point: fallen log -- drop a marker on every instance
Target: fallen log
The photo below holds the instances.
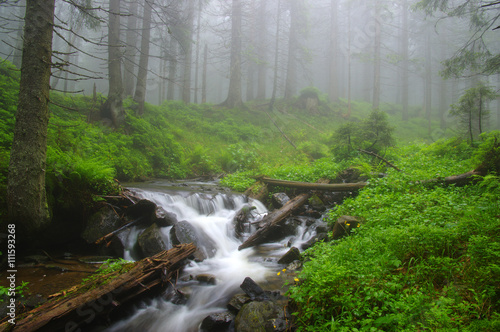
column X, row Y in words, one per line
column 314, row 186
column 272, row 220
column 88, row 301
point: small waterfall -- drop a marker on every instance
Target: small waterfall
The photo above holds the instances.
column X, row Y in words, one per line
column 213, row 215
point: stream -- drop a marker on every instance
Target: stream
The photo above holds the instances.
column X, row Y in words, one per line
column 211, row 213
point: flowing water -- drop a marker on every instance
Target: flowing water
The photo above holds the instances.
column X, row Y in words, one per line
column 211, row 214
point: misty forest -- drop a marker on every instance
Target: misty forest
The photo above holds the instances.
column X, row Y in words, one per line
column 249, row 165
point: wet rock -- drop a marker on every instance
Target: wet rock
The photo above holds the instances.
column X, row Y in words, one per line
column 292, row 255
column 343, row 226
column 100, row 224
column 282, row 230
column 206, row 278
column 323, row 228
column 316, row 203
column 318, row 237
column 152, row 241
column 279, row 199
column 143, row 208
column 217, row 322
column 176, row 296
column 237, row 302
column 256, row 316
column 184, row 232
column 241, row 220
column 164, row 218
column 294, row 266
column 254, row 291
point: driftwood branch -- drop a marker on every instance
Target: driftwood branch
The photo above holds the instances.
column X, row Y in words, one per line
column 381, row 158
column 108, row 236
column 98, row 298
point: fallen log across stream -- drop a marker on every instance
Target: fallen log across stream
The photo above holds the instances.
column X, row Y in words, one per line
column 314, row 186
column 273, row 220
column 100, row 297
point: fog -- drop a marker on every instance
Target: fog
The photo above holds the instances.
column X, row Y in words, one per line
column 204, row 51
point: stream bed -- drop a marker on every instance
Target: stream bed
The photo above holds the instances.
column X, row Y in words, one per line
column 210, row 212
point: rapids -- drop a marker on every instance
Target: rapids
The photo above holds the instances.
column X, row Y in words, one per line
column 211, row 213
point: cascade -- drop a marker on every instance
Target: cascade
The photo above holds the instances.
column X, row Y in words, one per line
column 212, row 215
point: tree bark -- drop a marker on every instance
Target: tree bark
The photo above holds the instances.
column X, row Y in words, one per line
column 73, row 310
column 142, row 74
column 113, row 108
column 262, row 54
column 131, row 49
column 276, row 58
column 27, row 202
column 377, row 56
column 188, row 53
column 204, row 75
column 405, row 65
column 291, row 69
column 234, row 98
column 273, row 219
column 333, row 50
column 314, row 186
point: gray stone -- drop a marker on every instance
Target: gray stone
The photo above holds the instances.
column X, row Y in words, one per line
column 254, row 316
column 184, row 232
column 217, row 322
column 152, row 241
column 279, row 199
column 100, row 224
column 291, row 255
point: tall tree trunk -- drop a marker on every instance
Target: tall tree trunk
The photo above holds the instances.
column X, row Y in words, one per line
column 262, row 52
column 291, row 70
column 234, row 97
column 131, row 49
column 197, row 60
column 18, row 48
column 188, row 58
column 377, row 51
column 251, row 64
column 333, row 50
column 405, row 65
column 443, row 87
column 113, row 108
column 276, row 57
column 349, row 83
column 498, row 102
column 27, row 201
column 428, row 81
column 204, row 76
column 142, row 74
column 172, row 69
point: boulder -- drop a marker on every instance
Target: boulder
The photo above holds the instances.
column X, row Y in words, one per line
column 292, row 255
column 217, row 322
column 100, row 224
column 343, row 226
column 164, row 218
column 206, row 278
column 184, row 232
column 254, row 291
column 318, row 237
column 152, row 241
column 257, row 317
column 279, row 199
column 237, row 302
column 143, row 208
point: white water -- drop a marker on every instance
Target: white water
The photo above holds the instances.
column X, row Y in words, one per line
column 213, row 214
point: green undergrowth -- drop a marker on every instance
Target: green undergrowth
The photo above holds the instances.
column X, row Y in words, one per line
column 426, row 257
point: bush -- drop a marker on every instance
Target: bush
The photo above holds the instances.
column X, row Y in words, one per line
column 424, row 258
